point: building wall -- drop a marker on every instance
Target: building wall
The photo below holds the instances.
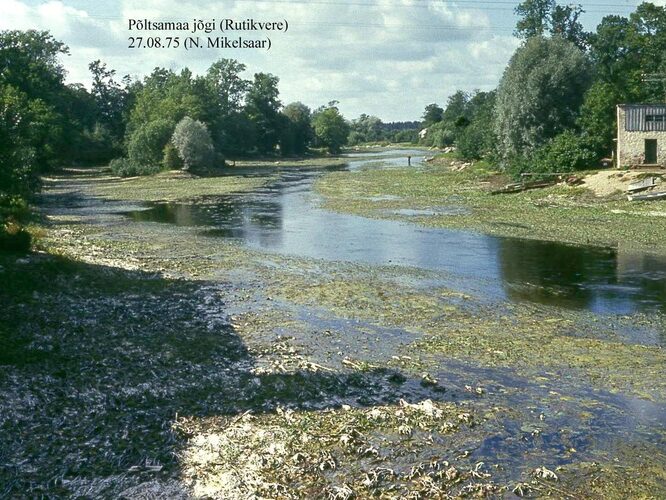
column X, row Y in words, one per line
column 631, row 145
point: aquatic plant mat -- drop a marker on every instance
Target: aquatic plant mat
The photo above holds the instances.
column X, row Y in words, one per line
column 437, row 194
column 145, row 360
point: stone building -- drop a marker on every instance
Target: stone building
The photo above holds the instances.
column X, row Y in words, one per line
column 641, row 135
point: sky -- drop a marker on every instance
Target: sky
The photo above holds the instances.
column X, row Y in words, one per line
column 388, row 58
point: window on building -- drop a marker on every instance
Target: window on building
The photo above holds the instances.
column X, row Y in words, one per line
column 655, row 118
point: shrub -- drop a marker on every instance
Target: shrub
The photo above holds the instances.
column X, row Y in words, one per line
column 124, row 167
column 170, row 159
column 439, row 135
column 567, row 152
column 193, row 143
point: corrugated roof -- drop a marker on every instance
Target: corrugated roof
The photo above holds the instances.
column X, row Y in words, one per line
column 644, row 117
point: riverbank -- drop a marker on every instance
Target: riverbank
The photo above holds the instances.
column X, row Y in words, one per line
column 154, row 359
column 436, row 195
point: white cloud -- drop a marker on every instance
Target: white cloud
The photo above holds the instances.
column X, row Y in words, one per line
column 389, row 59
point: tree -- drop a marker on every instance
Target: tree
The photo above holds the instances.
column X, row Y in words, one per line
column 366, row 128
column 18, row 176
column 539, row 95
column 263, row 108
column 110, row 98
column 534, row 18
column 564, row 20
column 146, row 145
column 224, row 79
column 477, row 139
column 597, row 120
column 330, row 127
column 297, row 131
column 193, row 143
column 29, row 62
column 165, row 95
column 432, row 114
column 541, row 17
column 456, row 107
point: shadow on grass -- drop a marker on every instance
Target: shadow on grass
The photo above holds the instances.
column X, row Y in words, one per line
column 96, row 363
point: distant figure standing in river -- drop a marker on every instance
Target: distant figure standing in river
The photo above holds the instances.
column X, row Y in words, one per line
column 409, row 161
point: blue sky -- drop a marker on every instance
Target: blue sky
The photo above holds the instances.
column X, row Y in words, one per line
column 384, row 57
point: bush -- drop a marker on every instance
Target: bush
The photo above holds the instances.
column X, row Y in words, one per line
column 124, row 167
column 567, row 152
column 439, row 135
column 13, row 238
column 170, row 159
column 193, row 143
column 406, row 136
column 146, row 145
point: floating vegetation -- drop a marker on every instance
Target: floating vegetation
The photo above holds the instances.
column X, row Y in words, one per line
column 558, row 213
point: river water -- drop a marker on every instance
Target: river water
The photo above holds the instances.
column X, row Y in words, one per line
column 284, row 216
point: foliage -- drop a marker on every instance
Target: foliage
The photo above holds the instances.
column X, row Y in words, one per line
column 29, row 63
column 297, row 131
column 539, row 95
column 567, row 152
column 432, row 114
column 477, row 139
column 193, row 143
column 440, row 135
column 111, row 99
column 598, row 115
column 366, row 128
column 406, row 136
column 167, row 96
column 13, row 238
column 170, row 158
column 331, row 129
column 263, row 108
column 123, row 167
column 146, row 145
column 541, row 17
column 19, row 122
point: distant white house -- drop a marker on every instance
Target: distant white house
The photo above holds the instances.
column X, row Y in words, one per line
column 641, row 135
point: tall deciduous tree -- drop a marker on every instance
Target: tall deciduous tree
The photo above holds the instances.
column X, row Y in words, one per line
column 29, row 62
column 330, row 127
column 432, row 114
column 542, row 17
column 110, row 97
column 540, row 94
column 297, row 131
column 263, row 106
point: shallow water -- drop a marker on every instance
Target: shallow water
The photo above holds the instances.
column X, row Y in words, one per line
column 284, row 217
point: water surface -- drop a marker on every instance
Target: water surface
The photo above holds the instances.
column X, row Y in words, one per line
column 284, row 217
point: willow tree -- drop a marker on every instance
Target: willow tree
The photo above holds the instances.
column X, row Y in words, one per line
column 540, row 95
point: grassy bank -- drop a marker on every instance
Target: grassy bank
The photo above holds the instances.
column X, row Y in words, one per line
column 462, row 200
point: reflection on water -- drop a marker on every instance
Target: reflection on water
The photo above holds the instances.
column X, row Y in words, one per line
column 282, row 217
column 581, row 277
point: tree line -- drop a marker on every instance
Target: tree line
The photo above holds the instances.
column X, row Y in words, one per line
column 554, row 108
